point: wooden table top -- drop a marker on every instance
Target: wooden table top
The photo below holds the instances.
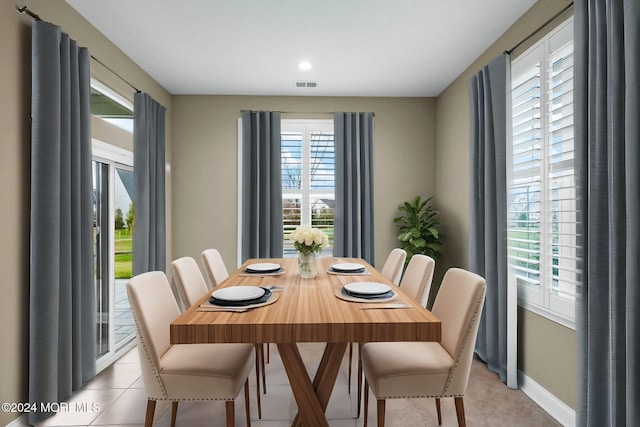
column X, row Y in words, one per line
column 307, row 310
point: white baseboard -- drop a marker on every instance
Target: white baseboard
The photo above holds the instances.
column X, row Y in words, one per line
column 547, row 401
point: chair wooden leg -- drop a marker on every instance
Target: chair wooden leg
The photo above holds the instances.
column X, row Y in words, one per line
column 264, row 374
column 268, row 359
column 359, row 398
column 174, row 413
column 349, row 373
column 460, row 412
column 366, row 401
column 247, row 409
column 438, row 411
column 381, row 412
column 229, row 407
column 151, row 409
column 257, row 348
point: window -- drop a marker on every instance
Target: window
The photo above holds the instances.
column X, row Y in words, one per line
column 111, row 107
column 308, row 177
column 541, row 183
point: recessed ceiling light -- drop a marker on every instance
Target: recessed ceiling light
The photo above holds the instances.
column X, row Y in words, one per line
column 304, row 66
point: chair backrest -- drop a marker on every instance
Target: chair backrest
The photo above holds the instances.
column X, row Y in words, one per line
column 189, row 281
column 392, row 268
column 154, row 308
column 418, row 277
column 458, row 305
column 214, row 267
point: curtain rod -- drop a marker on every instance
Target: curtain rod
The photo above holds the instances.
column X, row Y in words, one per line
column 115, row 74
column 25, row 9
column 295, row 112
column 318, row 112
column 288, row 112
column 539, row 28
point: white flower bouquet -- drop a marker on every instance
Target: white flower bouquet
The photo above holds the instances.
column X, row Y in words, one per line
column 309, row 240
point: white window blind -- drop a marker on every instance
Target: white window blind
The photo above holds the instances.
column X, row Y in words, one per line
column 541, row 187
column 308, row 177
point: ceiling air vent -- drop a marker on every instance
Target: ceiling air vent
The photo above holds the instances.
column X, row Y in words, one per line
column 306, row 84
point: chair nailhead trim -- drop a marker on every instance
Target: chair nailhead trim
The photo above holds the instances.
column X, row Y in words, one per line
column 465, row 341
column 188, row 399
column 421, row 396
column 179, row 288
column 156, row 374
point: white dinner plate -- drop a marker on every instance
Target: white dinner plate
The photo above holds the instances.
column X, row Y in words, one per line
column 347, row 267
column 238, row 293
column 367, row 288
column 263, row 267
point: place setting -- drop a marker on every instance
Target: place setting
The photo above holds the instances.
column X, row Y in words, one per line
column 348, row 269
column 382, row 295
column 239, row 298
column 263, row 269
column 368, row 292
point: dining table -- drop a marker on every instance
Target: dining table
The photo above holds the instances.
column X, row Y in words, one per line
column 303, row 310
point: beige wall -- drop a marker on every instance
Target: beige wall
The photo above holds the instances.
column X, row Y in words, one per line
column 547, row 343
column 14, row 251
column 15, row 107
column 205, row 162
column 452, row 192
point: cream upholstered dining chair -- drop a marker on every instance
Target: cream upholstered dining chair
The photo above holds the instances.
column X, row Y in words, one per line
column 191, row 287
column 188, row 280
column 416, row 282
column 392, row 268
column 214, row 267
column 216, row 273
column 418, row 277
column 430, row 369
column 182, row 372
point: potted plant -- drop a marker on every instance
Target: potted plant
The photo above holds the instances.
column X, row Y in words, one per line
column 418, row 228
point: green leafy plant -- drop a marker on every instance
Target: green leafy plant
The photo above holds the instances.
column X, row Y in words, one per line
column 418, row 228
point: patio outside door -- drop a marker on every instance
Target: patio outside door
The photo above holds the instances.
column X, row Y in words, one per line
column 113, row 231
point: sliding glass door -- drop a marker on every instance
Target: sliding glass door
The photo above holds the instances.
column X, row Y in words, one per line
column 113, row 232
column 101, row 255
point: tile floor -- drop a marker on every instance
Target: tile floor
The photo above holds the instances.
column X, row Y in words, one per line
column 119, row 392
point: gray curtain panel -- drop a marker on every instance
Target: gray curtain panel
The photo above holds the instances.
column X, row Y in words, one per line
column 607, row 143
column 62, row 297
column 353, row 221
column 149, row 231
column 488, row 92
column 262, row 229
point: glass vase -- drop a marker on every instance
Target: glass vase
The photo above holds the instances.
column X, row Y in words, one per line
column 307, row 265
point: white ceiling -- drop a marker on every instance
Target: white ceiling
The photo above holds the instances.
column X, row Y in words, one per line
column 253, row 47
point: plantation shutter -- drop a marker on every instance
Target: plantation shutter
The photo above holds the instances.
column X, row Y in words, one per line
column 541, row 182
